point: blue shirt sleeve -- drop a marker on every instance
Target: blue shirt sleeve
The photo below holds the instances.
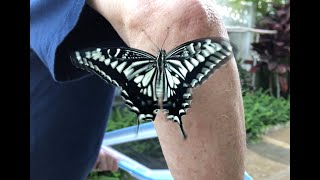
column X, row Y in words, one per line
column 58, row 27
column 50, row 22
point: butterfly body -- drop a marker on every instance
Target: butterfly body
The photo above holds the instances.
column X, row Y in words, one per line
column 160, row 66
column 165, row 80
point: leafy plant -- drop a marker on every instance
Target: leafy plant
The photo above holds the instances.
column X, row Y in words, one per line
column 274, row 51
column 118, row 175
column 262, row 110
column 104, row 176
column 121, row 117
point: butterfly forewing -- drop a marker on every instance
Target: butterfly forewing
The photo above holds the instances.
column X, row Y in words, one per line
column 199, row 59
column 131, row 69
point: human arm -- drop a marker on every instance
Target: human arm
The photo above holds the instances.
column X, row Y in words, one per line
column 215, row 122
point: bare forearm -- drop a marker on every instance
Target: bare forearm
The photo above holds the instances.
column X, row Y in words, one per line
column 214, row 123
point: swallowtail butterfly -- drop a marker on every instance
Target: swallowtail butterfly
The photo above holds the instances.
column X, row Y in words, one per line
column 149, row 81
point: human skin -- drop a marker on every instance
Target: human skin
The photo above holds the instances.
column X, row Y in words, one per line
column 105, row 162
column 214, row 124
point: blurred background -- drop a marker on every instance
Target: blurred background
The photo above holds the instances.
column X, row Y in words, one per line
column 260, row 29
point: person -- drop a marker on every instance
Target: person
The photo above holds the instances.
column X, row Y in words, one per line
column 69, row 107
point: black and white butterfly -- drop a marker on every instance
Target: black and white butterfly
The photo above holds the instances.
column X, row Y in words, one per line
column 148, row 80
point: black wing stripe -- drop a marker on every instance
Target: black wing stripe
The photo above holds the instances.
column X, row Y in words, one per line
column 176, row 70
column 188, row 65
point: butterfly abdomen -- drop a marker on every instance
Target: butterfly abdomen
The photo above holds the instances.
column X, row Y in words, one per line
column 159, row 89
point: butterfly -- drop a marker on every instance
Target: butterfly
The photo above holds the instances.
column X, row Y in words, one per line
column 152, row 83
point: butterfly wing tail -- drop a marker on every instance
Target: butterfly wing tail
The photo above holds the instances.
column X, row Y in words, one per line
column 182, row 130
column 138, row 125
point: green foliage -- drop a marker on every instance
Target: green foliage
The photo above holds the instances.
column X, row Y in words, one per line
column 274, row 51
column 121, row 117
column 118, row 175
column 263, row 110
column 104, row 176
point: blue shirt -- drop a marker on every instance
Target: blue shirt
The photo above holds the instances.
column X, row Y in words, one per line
column 68, row 107
column 50, row 23
column 57, row 27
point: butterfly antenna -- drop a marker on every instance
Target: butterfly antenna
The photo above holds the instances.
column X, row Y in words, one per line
column 151, row 39
column 165, row 38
